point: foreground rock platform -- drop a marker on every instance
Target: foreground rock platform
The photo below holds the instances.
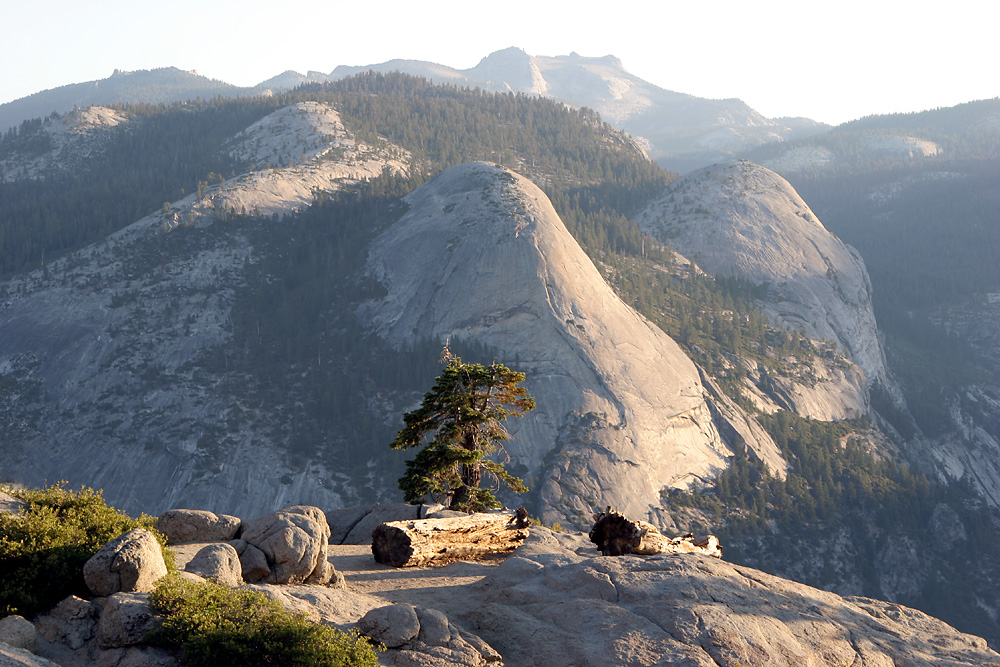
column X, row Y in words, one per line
column 558, row 602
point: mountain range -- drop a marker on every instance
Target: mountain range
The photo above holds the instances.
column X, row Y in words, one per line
column 680, row 131
column 229, row 303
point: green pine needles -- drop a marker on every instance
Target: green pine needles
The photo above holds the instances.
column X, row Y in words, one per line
column 460, row 424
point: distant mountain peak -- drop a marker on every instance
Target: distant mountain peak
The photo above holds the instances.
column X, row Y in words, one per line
column 511, row 52
column 510, row 69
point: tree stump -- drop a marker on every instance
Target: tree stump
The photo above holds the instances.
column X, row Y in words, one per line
column 616, row 535
column 424, row 541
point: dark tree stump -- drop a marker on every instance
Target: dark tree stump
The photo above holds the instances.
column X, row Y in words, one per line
column 616, row 535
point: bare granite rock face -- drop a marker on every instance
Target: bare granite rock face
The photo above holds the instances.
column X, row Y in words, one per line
column 181, row 525
column 108, row 632
column 219, row 562
column 18, row 632
column 294, row 541
column 125, row 620
column 11, row 656
column 130, row 563
column 253, row 562
column 10, row 504
column 557, row 605
column 393, row 625
column 740, row 219
column 622, row 412
column 426, row 638
column 68, row 629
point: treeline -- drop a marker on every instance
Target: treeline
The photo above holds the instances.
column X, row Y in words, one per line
column 926, row 234
column 444, row 125
column 964, row 132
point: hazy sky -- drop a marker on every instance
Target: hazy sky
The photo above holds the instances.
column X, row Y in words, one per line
column 830, row 61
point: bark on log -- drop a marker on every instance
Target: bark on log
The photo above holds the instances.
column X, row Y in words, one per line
column 421, row 542
column 616, row 535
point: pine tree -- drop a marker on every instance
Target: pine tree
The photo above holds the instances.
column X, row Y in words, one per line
column 459, row 424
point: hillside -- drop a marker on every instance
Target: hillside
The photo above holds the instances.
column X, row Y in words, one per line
column 922, row 214
column 482, row 256
column 128, row 353
column 745, row 221
column 237, row 339
column 164, row 85
column 200, row 305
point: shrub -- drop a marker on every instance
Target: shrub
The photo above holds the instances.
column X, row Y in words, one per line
column 43, row 549
column 216, row 625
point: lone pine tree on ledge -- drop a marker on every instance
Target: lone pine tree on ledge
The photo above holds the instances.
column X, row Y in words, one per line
column 460, row 423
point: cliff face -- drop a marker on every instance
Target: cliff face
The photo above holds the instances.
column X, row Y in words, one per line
column 743, row 220
column 481, row 255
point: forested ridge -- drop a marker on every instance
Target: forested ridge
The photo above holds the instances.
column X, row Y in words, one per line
column 160, row 155
column 298, row 354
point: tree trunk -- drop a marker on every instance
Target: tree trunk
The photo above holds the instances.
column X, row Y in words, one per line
column 421, row 542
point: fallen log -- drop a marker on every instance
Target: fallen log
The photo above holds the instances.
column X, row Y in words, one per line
column 616, row 535
column 424, row 541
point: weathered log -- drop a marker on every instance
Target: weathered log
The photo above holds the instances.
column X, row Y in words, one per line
column 424, row 541
column 616, row 535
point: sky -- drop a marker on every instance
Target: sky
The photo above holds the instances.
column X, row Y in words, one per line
column 829, row 61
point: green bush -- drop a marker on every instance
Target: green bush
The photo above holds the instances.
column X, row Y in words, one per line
column 43, row 549
column 216, row 625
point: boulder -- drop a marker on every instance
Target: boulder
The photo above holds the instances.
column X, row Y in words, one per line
column 134, row 656
column 218, row 562
column 18, row 632
column 294, row 541
column 132, row 563
column 392, row 625
column 343, row 520
column 71, row 623
column 125, row 620
column 253, row 562
column 17, row 657
column 181, row 525
column 421, row 637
